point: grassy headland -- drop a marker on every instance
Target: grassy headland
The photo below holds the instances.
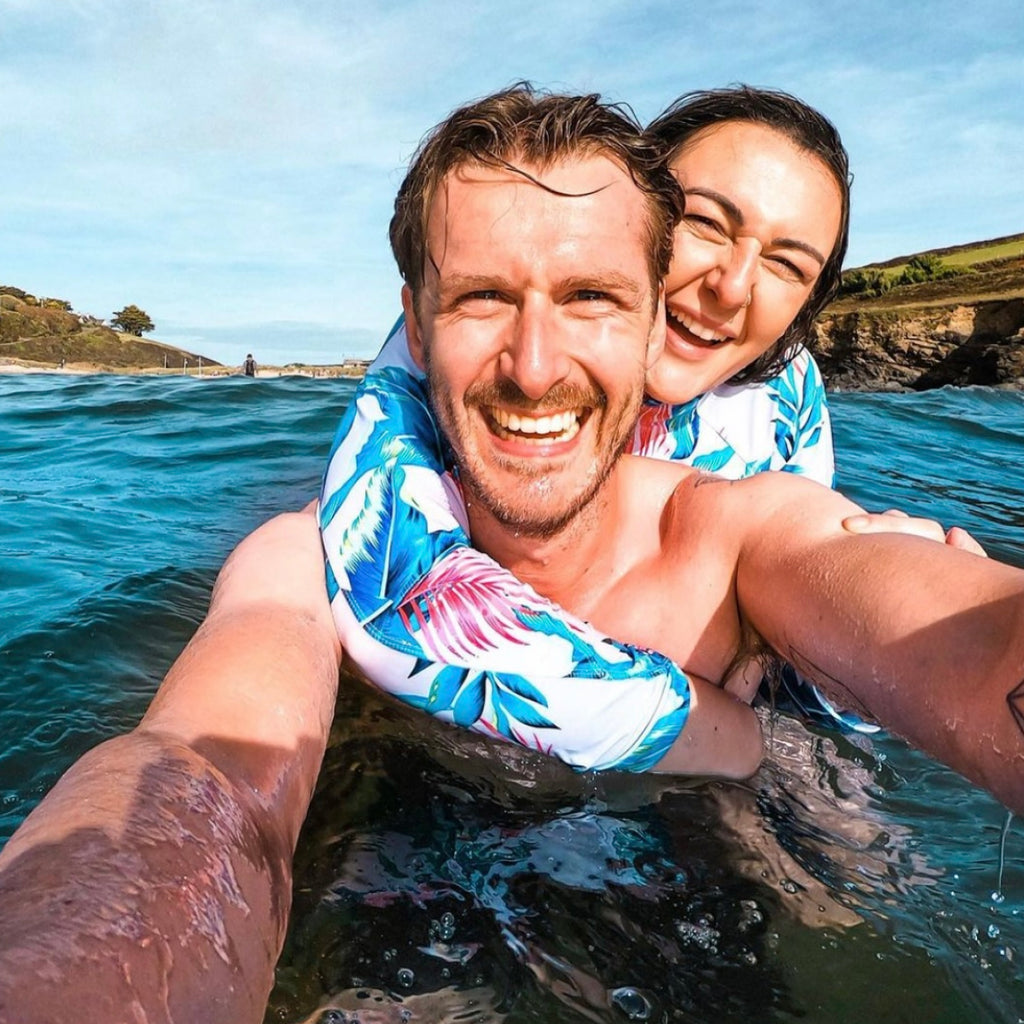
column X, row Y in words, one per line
column 957, row 275
column 952, row 316
column 47, row 334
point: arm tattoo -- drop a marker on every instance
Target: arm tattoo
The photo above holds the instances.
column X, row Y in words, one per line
column 840, row 692
column 1015, row 700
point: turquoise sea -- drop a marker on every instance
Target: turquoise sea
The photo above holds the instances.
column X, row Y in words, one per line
column 440, row 878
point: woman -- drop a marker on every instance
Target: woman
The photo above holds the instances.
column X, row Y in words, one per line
column 758, row 254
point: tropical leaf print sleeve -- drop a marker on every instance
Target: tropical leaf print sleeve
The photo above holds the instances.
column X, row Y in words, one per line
column 803, row 428
column 440, row 625
column 736, row 431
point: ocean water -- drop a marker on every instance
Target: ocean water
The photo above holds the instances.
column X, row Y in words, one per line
column 441, row 878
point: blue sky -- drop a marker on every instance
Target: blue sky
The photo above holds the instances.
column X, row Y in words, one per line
column 230, row 165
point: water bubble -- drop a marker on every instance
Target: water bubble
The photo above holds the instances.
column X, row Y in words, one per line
column 997, row 897
column 993, row 931
column 751, row 915
column 632, row 1003
column 405, row 977
column 789, row 885
column 446, row 927
column 699, row 934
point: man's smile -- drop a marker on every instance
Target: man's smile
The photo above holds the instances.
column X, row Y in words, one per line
column 552, row 427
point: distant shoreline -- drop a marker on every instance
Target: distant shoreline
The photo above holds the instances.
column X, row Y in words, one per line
column 18, row 367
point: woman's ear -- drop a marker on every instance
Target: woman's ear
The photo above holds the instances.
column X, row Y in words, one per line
column 412, row 328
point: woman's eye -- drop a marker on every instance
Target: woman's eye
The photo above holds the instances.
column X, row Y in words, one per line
column 704, row 224
column 790, row 269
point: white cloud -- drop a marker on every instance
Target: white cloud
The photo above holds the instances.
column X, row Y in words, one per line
column 229, row 162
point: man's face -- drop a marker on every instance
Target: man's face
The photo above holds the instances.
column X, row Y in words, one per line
column 536, row 324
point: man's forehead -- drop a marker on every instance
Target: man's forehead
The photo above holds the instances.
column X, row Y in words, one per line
column 578, row 177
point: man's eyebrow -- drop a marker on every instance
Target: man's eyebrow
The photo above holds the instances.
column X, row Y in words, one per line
column 735, row 214
column 604, row 280
column 451, row 285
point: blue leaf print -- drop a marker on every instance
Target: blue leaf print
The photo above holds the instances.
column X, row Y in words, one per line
column 712, row 462
column 445, row 687
column 469, row 705
column 519, row 709
column 657, row 742
column 523, row 688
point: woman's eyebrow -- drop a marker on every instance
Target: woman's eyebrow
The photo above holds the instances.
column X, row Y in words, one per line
column 731, row 210
column 795, row 243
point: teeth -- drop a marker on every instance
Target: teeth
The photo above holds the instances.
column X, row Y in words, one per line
column 559, row 426
column 704, row 333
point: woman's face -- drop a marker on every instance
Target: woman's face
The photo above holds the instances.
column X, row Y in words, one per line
column 762, row 217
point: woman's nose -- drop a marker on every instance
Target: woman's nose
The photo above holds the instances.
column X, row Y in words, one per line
column 735, row 273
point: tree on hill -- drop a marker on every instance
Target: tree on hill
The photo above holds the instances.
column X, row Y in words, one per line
column 132, row 320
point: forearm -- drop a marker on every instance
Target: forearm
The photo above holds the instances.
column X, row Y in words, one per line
column 722, row 736
column 155, row 879
column 925, row 640
column 145, row 885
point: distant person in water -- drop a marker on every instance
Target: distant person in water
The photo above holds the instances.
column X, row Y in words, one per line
column 249, row 366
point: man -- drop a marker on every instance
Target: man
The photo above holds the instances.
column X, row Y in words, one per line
column 535, row 288
column 532, row 264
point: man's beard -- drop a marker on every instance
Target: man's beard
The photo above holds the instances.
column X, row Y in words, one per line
column 530, row 510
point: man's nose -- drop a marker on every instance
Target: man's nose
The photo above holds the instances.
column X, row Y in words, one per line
column 733, row 277
column 535, row 356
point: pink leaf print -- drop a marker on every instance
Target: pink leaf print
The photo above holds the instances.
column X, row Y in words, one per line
column 466, row 606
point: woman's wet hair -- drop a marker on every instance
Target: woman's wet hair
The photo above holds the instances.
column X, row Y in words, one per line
column 806, row 128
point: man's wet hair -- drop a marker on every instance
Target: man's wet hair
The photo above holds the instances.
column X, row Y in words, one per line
column 806, row 128
column 523, row 127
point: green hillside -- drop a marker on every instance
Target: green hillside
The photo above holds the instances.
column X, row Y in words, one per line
column 48, row 332
column 959, row 274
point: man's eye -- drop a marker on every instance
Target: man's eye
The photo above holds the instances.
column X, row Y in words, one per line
column 591, row 295
column 480, row 295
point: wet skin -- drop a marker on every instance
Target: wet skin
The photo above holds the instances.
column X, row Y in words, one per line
column 536, row 324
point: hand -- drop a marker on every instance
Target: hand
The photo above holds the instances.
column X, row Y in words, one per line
column 895, row 521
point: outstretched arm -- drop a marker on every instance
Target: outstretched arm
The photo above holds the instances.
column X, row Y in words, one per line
column 926, row 639
column 154, row 881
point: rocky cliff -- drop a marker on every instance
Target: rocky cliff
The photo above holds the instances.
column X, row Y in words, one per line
column 966, row 331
